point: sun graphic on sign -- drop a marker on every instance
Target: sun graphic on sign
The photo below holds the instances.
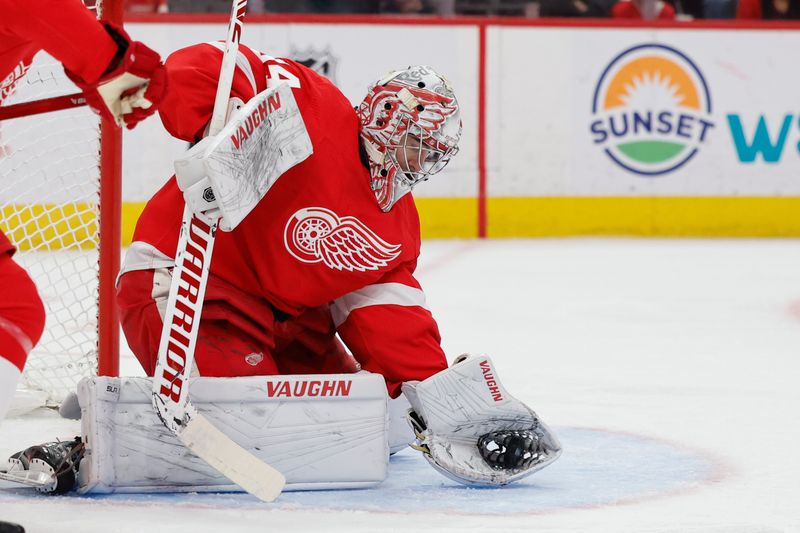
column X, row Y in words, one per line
column 650, row 81
column 652, row 90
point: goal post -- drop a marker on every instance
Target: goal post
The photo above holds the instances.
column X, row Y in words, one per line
column 110, row 232
column 110, row 227
column 60, row 204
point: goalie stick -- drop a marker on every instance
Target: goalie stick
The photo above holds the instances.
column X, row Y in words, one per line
column 182, row 321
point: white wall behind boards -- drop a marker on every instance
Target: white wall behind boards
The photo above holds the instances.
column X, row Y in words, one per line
column 359, row 54
column 572, row 112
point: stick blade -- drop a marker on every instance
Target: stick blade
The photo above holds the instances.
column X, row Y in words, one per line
column 234, row 462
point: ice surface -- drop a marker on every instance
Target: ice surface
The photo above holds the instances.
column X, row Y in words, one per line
column 667, row 367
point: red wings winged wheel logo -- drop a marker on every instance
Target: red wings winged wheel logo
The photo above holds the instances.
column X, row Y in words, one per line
column 315, row 234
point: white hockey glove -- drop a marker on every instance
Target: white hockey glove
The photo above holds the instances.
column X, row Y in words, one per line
column 225, row 175
column 471, row 430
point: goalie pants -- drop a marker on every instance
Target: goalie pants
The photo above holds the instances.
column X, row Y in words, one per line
column 21, row 311
column 240, row 334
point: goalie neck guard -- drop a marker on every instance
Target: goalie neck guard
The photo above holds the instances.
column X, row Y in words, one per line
column 410, row 126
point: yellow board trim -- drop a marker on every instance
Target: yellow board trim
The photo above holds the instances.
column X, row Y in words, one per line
column 613, row 216
column 131, row 211
column 448, row 218
column 644, row 216
column 75, row 225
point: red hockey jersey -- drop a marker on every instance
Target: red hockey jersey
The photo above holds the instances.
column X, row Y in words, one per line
column 318, row 236
column 5, row 245
column 64, row 28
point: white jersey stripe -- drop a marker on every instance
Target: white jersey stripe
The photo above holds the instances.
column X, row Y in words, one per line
column 144, row 256
column 17, row 334
column 242, row 63
column 379, row 294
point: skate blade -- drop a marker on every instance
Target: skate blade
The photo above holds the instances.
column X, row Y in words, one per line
column 27, row 478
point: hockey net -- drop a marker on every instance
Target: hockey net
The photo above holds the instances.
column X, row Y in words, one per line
column 52, row 176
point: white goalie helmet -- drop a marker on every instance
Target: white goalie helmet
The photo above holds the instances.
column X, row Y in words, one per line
column 410, row 125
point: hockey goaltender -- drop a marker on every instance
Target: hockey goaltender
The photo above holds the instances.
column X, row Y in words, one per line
column 312, row 313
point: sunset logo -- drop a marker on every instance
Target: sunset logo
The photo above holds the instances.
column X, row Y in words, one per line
column 651, row 111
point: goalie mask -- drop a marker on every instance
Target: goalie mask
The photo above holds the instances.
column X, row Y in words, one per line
column 410, row 125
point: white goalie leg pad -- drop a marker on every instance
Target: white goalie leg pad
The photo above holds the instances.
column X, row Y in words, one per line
column 400, row 433
column 9, row 377
column 465, row 402
column 320, row 431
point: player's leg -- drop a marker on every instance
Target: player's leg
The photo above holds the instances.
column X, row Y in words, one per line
column 308, row 344
column 235, row 338
column 21, row 325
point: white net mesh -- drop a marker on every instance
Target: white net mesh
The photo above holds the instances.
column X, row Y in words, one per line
column 49, row 199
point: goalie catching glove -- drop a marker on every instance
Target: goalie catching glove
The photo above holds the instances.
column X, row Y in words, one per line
column 132, row 86
column 472, row 431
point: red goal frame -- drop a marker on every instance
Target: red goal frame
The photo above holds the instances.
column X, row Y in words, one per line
column 110, row 229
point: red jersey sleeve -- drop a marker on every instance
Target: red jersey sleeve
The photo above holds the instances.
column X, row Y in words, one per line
column 64, row 28
column 5, row 245
column 390, row 331
column 193, row 76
